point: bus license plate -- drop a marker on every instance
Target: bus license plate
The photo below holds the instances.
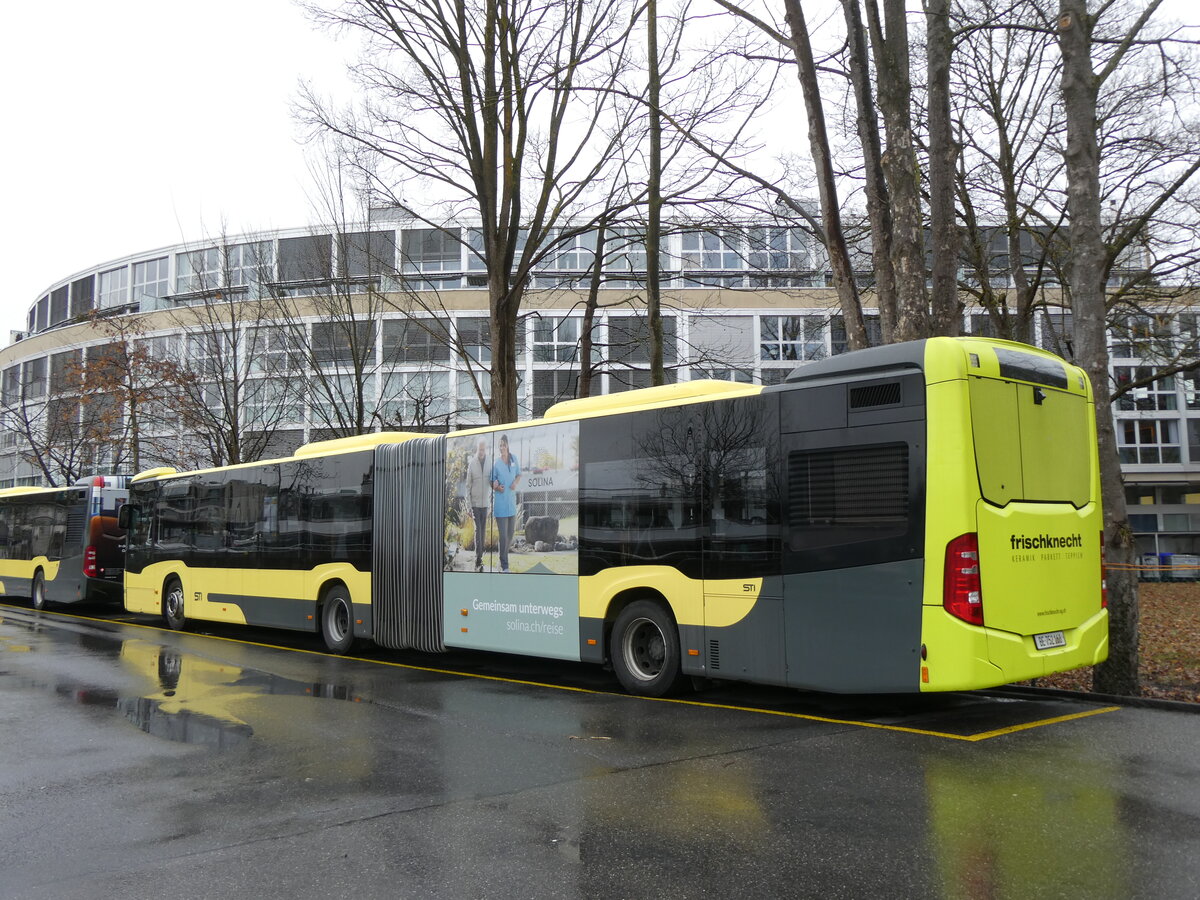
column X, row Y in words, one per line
column 1049, row 640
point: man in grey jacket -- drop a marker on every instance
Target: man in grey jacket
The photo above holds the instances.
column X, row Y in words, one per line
column 479, row 493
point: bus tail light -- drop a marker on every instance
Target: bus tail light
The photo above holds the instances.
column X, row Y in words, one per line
column 962, row 591
column 89, row 563
column 1103, row 575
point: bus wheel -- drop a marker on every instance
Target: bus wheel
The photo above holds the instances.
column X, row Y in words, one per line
column 172, row 606
column 645, row 645
column 337, row 620
column 38, row 592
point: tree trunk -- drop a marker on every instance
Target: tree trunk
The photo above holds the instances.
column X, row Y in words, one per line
column 901, row 168
column 654, row 202
column 818, row 139
column 1080, row 88
column 879, row 212
column 947, row 319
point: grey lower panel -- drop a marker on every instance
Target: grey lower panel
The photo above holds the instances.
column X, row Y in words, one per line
column 752, row 649
column 17, row 587
column 593, row 630
column 409, row 526
column 271, row 612
column 855, row 630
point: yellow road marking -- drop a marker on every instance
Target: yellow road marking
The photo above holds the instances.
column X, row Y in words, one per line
column 972, row 738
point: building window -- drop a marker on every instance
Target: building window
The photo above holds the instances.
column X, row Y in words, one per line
column 198, row 270
column 252, row 263
column 211, row 353
column 343, row 343
column 475, row 250
column 151, row 280
column 629, row 339
column 1140, row 337
column 780, row 250
column 431, row 250
column 475, row 338
column 83, row 296
column 792, row 338
column 415, row 341
column 1157, row 395
column 416, row 399
column 43, row 314
column 837, row 333
column 35, row 379
column 549, row 387
column 721, row 341
column 1148, row 441
column 555, row 339
column 65, row 371
column 363, row 254
column 12, row 386
column 59, row 305
column 275, row 349
column 708, row 251
column 574, row 252
column 114, row 287
column 306, row 258
column 272, row 401
column 624, row 257
column 469, row 404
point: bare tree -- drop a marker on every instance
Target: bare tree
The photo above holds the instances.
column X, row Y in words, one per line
column 492, row 113
column 235, row 372
column 1081, row 84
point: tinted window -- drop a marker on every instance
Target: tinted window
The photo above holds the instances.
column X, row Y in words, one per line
column 742, row 463
column 642, row 490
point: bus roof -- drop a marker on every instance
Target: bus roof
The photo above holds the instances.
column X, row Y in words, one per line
column 661, row 395
column 946, row 357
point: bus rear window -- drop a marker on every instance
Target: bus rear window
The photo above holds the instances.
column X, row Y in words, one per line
column 1031, row 442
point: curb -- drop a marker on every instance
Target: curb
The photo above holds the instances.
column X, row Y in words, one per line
column 1114, row 699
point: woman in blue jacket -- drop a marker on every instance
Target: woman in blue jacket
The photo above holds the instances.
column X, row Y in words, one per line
column 506, row 471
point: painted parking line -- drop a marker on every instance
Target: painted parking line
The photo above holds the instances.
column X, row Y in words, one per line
column 809, row 717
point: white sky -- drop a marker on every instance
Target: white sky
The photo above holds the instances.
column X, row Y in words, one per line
column 136, row 124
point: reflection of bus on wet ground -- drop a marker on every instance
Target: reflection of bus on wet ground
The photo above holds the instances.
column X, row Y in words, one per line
column 63, row 545
column 914, row 517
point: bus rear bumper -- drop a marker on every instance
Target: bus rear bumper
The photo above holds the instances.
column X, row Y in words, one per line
column 968, row 657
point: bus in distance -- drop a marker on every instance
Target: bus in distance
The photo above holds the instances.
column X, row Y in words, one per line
column 913, row 517
column 63, row 545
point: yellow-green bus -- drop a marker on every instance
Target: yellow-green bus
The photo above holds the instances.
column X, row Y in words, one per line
column 914, row 517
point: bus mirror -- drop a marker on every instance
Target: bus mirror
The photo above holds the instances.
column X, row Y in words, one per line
column 125, row 517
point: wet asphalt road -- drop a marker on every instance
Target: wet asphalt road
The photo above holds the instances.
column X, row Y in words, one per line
column 141, row 763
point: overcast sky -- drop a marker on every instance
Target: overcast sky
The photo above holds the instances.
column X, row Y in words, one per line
column 135, row 124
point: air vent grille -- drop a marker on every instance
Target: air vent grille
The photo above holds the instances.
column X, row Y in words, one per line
column 868, row 395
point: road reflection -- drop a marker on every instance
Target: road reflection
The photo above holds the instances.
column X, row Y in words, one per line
column 172, row 694
column 1032, row 823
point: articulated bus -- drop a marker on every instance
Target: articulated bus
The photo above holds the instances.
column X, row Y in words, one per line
column 914, row 517
column 63, row 545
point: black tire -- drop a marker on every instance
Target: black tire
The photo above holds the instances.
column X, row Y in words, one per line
column 645, row 650
column 337, row 620
column 172, row 605
column 37, row 594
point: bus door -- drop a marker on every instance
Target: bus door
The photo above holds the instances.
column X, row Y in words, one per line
column 743, row 593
